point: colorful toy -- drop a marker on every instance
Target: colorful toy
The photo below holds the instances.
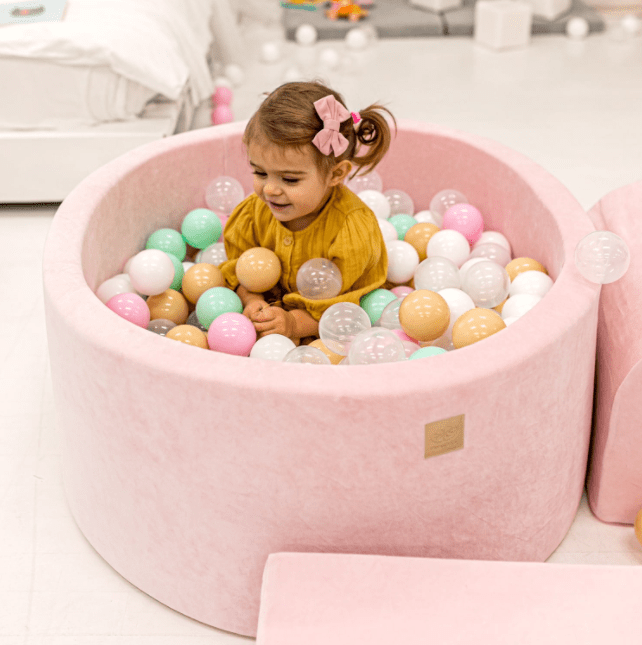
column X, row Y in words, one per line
column 419, row 235
column 272, row 347
column 487, row 283
column 376, row 201
column 374, row 346
column 466, row 219
column 217, row 301
column 495, row 252
column 160, row 326
column 425, row 352
column 201, row 227
column 345, row 9
column 188, row 335
column 402, row 223
column 335, row 359
column 638, row 526
column 371, row 181
column 258, row 269
column 475, row 325
column 169, row 241
column 318, row 279
column 231, row 333
column 388, row 230
column 113, row 286
column 151, row 272
column 534, row 283
column 199, row 278
column 493, row 237
column 401, row 290
column 214, row 254
column 306, row 354
column 516, row 306
column 424, row 315
column 449, row 244
column 437, row 273
column 444, row 199
column 221, row 105
column 401, row 203
column 403, row 261
column 224, row 194
column 169, row 305
column 375, row 302
column 389, row 318
column 340, row 323
column 519, row 265
column 130, row 306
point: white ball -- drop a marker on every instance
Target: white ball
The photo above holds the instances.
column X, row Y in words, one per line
column 376, row 201
column 151, row 272
column 356, row 39
column 577, row 28
column 115, row 286
column 494, row 237
column 632, row 25
column 388, row 231
column 272, row 347
column 306, row 35
column 429, row 217
column 465, row 267
column 187, row 266
column 459, row 302
column 509, row 321
column 235, row 73
column 517, row 306
column 403, row 261
column 487, row 284
column 270, row 52
column 449, row 244
column 535, row 283
column 222, row 81
column 494, row 252
column 330, row 58
column 306, row 355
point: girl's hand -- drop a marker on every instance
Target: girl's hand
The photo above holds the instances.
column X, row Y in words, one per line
column 274, row 320
column 253, row 308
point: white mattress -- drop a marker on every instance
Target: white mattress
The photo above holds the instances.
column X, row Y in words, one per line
column 45, row 95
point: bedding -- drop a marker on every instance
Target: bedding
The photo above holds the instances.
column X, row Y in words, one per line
column 162, row 45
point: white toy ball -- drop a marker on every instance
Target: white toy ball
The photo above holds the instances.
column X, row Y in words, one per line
column 151, row 272
column 510, row 320
column 272, row 347
column 487, row 284
column 213, row 254
column 446, row 198
column 120, row 283
column 388, row 230
column 494, row 237
column 403, row 261
column 329, row 58
column 463, row 269
column 340, row 323
column 270, row 52
column 356, row 39
column 535, row 283
column 306, row 35
column 494, row 252
column 371, row 181
column 632, row 25
column 577, row 28
column 376, row 201
column 400, row 201
column 376, row 345
column 429, row 217
column 517, row 306
column 306, row 355
column 459, row 302
column 449, row 244
column 235, row 73
column 602, row 257
column 436, row 273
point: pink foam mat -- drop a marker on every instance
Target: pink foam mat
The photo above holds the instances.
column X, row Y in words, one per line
column 318, row 599
column 186, row 468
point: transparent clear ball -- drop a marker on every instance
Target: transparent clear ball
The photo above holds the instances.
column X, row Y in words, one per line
column 390, row 315
column 446, row 198
column 376, row 345
column 487, row 284
column 213, row 254
column 437, row 273
column 376, row 201
column 308, row 355
column 319, row 279
column 494, row 252
column 340, row 323
column 602, row 257
column 400, row 202
column 449, row 244
column 371, row 181
column 224, row 194
column 429, row 217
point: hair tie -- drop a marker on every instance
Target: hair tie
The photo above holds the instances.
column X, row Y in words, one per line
column 356, row 117
column 332, row 113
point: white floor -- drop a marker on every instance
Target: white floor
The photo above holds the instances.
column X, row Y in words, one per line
column 573, row 107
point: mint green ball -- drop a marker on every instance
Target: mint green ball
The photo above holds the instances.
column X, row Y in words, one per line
column 402, row 224
column 168, row 240
column 375, row 302
column 217, row 301
column 201, row 227
column 179, row 272
column 427, row 351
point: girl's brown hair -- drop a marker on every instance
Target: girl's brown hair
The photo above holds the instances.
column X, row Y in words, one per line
column 287, row 118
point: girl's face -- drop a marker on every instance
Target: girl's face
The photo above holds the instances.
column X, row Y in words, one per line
column 290, row 183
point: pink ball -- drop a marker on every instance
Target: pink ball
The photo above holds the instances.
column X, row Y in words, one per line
column 231, row 333
column 466, row 219
column 132, row 307
column 222, row 96
column 401, row 291
column 222, row 114
column 402, row 335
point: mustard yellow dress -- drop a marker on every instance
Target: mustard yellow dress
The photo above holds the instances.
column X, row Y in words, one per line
column 345, row 232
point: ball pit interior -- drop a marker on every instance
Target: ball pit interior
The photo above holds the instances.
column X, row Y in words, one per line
column 186, row 468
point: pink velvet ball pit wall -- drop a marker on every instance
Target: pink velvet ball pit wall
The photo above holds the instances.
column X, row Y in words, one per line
column 185, row 468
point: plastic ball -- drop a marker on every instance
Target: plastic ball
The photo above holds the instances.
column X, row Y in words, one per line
column 494, row 237
column 424, row 315
column 376, row 345
column 131, row 307
column 270, row 52
column 330, row 58
column 632, row 25
column 160, row 326
column 258, row 269
column 307, row 355
column 445, row 341
column 215, row 302
column 231, row 333
column 534, row 283
column 602, row 257
column 637, row 526
column 120, row 283
column 214, row 254
column 446, row 198
column 400, row 201
column 222, row 95
column 170, row 305
column 475, row 325
column 187, row 266
column 487, row 284
column 494, row 252
column 192, row 319
column 168, row 240
column 375, row 302
column 179, row 272
column 577, row 28
column 306, row 35
column 319, row 279
column 199, row 278
column 428, row 217
column 356, row 39
column 388, row 230
column 340, row 323
column 370, row 181
column 188, row 335
column 426, row 352
column 437, row 273
column 402, row 224
column 224, row 194
column 151, row 272
column 510, row 320
column 335, row 359
column 449, row 244
column 517, row 306
column 466, row 219
column 272, row 347
column 419, row 235
column 222, row 81
column 401, row 290
column 235, row 73
column 376, row 201
column 465, row 267
column 222, row 114
column 403, row 261
column 390, row 315
column 519, row 265
column 201, row 227
column 459, row 302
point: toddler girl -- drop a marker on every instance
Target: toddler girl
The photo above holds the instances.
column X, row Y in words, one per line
column 302, row 143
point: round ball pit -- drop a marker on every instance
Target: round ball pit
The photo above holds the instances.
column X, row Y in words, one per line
column 185, row 468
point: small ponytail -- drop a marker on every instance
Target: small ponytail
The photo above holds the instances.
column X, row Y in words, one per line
column 373, row 133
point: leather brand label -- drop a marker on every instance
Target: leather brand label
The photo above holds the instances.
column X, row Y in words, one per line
column 444, row 436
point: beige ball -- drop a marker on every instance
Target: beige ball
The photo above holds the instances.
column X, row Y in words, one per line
column 258, row 269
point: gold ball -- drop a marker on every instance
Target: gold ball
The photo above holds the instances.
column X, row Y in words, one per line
column 424, row 315
column 335, row 359
column 419, row 235
column 519, row 265
column 638, row 526
column 258, row 269
column 170, row 305
column 474, row 325
column 199, row 278
column 189, row 335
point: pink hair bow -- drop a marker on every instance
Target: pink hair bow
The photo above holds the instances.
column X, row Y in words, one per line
column 332, row 114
